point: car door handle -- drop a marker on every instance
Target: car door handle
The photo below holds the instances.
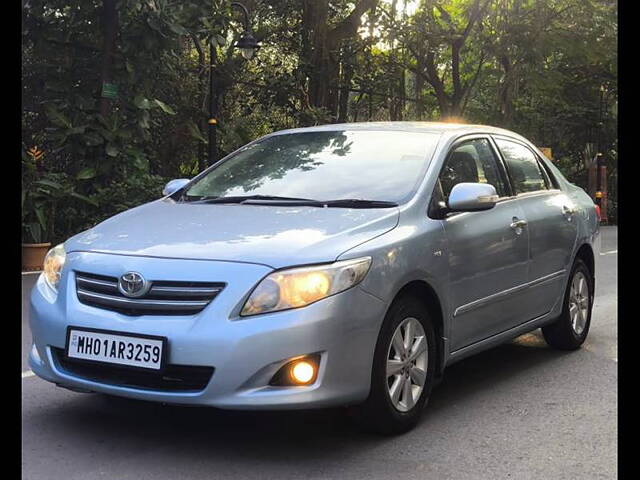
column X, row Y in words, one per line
column 567, row 211
column 518, row 223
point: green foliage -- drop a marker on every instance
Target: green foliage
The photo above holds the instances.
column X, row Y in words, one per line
column 534, row 66
column 120, row 195
column 45, row 196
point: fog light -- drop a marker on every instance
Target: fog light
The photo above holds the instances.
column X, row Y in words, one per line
column 301, row 371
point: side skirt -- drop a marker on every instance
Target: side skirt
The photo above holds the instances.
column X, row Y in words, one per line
column 499, row 338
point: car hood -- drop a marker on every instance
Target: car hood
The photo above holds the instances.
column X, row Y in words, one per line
column 276, row 236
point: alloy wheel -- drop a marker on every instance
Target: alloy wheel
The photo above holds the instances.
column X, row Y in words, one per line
column 579, row 302
column 407, row 361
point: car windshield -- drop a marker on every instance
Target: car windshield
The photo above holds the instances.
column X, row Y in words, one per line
column 383, row 166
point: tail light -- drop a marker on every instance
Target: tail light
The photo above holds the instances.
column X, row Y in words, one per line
column 598, row 212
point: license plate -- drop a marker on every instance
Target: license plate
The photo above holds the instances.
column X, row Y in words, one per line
column 101, row 346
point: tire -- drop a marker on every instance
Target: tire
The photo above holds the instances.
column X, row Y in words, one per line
column 380, row 413
column 571, row 328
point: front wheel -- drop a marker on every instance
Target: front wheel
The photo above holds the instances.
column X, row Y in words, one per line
column 570, row 330
column 403, row 370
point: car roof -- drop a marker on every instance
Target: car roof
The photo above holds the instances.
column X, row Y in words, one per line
column 430, row 127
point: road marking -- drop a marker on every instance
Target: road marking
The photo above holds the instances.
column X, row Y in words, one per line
column 610, row 252
column 28, row 374
column 32, row 273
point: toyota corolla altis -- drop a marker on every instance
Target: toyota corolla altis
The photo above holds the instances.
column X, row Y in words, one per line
column 340, row 265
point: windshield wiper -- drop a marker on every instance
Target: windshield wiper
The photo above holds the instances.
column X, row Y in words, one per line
column 359, row 203
column 305, row 202
column 295, row 201
column 270, row 199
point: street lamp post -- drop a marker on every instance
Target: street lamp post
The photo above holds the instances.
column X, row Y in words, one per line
column 213, row 109
column 247, row 45
column 599, row 156
column 601, row 178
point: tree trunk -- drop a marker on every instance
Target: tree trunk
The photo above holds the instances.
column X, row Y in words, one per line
column 200, row 117
column 321, row 45
column 452, row 103
column 402, row 93
column 392, row 103
column 343, row 106
column 506, row 92
column 316, row 16
column 419, row 79
column 109, row 29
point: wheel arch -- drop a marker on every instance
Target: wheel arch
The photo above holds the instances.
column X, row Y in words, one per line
column 424, row 292
column 585, row 253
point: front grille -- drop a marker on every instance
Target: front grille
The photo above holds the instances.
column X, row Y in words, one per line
column 174, row 378
column 163, row 298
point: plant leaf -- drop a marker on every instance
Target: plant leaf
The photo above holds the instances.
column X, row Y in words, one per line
column 165, row 108
column 49, row 183
column 83, row 198
column 112, row 150
column 86, row 173
column 144, row 120
column 194, row 131
column 92, row 139
column 56, row 117
column 177, row 28
column 35, row 231
column 141, row 102
column 42, row 219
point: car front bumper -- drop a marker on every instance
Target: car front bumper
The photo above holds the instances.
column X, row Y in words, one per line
column 245, row 352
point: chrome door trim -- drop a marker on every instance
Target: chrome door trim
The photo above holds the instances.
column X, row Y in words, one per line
column 539, row 193
column 497, row 296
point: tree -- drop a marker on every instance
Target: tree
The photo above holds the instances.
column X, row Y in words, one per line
column 322, row 36
column 533, row 66
column 447, row 35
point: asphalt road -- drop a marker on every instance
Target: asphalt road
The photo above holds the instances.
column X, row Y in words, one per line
column 519, row 411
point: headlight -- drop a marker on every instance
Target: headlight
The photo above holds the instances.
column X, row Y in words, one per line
column 53, row 263
column 298, row 287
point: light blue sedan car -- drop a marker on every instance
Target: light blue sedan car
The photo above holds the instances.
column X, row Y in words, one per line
column 339, row 265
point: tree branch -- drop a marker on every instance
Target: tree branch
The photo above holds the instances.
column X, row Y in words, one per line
column 468, row 88
column 348, row 27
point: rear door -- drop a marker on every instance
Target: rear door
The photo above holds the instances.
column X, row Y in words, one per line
column 487, row 254
column 551, row 223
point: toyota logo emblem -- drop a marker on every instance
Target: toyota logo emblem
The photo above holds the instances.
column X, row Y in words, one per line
column 132, row 284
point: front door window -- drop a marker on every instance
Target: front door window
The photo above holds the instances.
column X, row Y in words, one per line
column 472, row 161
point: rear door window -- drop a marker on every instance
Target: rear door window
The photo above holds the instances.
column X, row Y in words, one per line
column 525, row 171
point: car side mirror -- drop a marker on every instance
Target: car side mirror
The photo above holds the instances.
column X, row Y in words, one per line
column 472, row 197
column 174, row 185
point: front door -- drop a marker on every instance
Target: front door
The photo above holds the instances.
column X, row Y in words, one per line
column 487, row 250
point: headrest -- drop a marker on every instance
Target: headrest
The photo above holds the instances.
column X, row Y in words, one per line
column 465, row 167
